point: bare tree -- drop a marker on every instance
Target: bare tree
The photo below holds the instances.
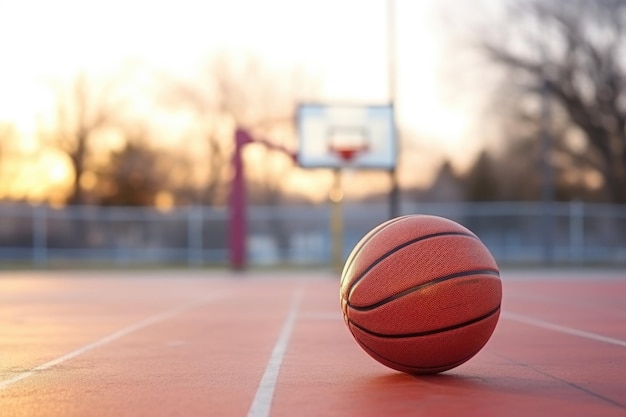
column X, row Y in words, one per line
column 481, row 182
column 214, row 159
column 7, row 134
column 8, row 139
column 231, row 94
column 574, row 49
column 135, row 174
column 82, row 111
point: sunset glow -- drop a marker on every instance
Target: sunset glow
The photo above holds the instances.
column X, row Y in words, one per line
column 46, row 43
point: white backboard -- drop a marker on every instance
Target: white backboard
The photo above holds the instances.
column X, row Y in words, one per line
column 325, row 129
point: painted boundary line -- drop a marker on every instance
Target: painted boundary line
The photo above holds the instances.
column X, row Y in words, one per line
column 110, row 338
column 562, row 329
column 265, row 393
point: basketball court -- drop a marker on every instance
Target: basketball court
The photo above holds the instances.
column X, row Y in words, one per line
column 241, row 342
column 199, row 343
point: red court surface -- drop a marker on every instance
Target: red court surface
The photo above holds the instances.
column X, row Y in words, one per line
column 206, row 343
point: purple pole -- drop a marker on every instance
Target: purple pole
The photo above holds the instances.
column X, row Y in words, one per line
column 237, row 204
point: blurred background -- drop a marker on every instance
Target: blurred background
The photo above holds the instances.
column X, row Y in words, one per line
column 117, row 124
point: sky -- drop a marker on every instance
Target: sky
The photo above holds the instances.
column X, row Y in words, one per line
column 342, row 43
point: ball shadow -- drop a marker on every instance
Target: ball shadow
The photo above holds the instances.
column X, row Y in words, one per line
column 398, row 393
column 435, row 380
column 443, row 384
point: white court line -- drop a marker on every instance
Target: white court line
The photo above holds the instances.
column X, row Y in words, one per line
column 265, row 393
column 110, row 338
column 563, row 329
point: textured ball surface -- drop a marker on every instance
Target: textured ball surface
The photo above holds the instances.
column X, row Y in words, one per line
column 421, row 294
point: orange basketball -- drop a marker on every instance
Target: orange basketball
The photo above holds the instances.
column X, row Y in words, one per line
column 421, row 294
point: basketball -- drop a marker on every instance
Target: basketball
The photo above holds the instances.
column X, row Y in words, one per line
column 421, row 294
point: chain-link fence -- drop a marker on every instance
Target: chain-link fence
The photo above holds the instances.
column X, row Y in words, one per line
column 529, row 233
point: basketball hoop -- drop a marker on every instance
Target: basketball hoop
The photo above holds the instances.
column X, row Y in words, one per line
column 344, row 138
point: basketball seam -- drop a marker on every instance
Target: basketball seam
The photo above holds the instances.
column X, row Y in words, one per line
column 402, row 246
column 354, row 256
column 433, row 281
column 428, row 332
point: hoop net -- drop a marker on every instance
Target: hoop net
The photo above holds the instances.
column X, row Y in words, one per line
column 348, row 153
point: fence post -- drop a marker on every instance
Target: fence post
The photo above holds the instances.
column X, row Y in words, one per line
column 194, row 236
column 237, row 229
column 40, row 235
column 576, row 231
